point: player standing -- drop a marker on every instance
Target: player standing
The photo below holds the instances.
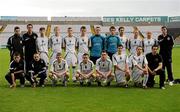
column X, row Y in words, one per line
column 70, row 44
column 112, row 42
column 29, row 42
column 148, row 43
column 42, row 44
column 96, row 45
column 55, row 44
column 134, row 42
column 123, row 38
column 15, row 44
column 166, row 43
column 82, row 44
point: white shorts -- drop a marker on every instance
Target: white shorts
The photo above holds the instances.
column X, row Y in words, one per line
column 120, row 77
column 53, row 57
column 109, row 79
column 90, row 79
column 45, row 57
column 58, row 77
column 71, row 59
column 137, row 75
column 80, row 57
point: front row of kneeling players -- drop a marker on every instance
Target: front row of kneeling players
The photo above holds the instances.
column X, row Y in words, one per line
column 140, row 68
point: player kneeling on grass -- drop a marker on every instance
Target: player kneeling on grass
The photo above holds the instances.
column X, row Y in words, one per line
column 37, row 70
column 140, row 68
column 121, row 69
column 104, row 70
column 85, row 71
column 16, row 71
column 59, row 70
column 155, row 68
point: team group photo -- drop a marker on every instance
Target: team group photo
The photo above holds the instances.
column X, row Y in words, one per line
column 94, row 59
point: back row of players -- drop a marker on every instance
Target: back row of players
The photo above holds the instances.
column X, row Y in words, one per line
column 106, row 52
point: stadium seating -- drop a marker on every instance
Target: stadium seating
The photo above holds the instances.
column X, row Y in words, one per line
column 7, row 27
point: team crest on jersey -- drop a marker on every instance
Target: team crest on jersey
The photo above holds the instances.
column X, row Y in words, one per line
column 139, row 59
column 59, row 66
column 168, row 38
column 120, row 58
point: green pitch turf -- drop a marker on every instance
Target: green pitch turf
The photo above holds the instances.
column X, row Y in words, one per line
column 88, row 99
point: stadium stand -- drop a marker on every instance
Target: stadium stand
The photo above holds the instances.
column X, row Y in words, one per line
column 7, row 25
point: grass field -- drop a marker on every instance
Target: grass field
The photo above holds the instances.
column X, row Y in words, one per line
column 88, row 99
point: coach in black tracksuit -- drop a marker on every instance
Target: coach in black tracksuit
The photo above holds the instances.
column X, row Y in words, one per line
column 29, row 42
column 37, row 70
column 14, row 43
column 155, row 67
column 166, row 43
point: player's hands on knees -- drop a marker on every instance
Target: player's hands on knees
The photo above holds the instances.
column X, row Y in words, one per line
column 50, row 75
column 127, row 71
column 154, row 72
column 145, row 71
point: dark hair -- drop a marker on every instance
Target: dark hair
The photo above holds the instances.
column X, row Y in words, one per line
column 139, row 46
column 42, row 28
column 29, row 25
column 104, row 51
column 17, row 27
column 120, row 45
column 69, row 28
column 112, row 27
column 83, row 27
column 16, row 54
column 97, row 27
column 121, row 27
column 85, row 54
column 154, row 46
column 163, row 27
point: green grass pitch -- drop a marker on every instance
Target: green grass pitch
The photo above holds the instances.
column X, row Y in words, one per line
column 88, row 99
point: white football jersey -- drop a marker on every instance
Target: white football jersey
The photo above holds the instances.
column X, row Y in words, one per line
column 133, row 44
column 120, row 60
column 86, row 67
column 148, row 43
column 59, row 67
column 42, row 44
column 56, row 43
column 104, row 66
column 139, row 60
column 124, row 42
column 70, row 43
column 82, row 43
